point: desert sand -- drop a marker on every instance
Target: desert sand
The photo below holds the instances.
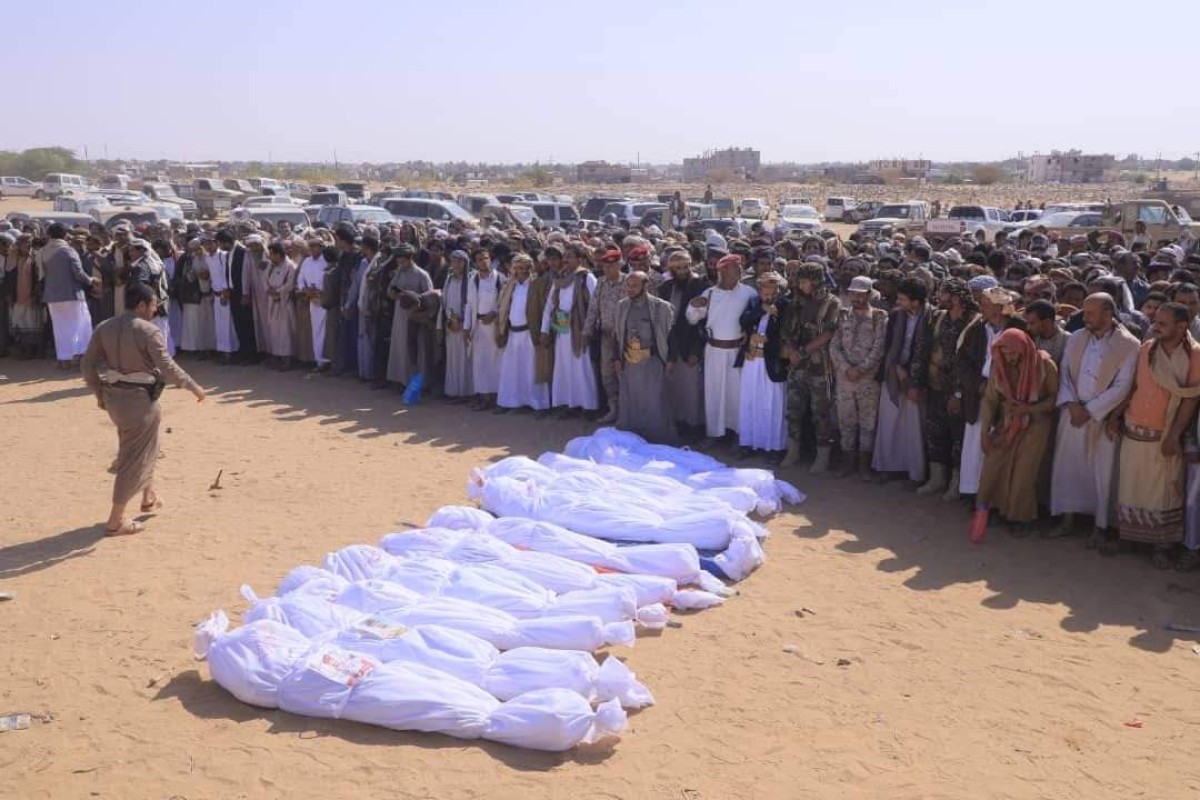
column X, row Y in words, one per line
column 877, row 654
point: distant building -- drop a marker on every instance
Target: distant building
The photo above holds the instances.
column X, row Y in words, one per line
column 602, row 172
column 1072, row 166
column 739, row 162
column 900, row 167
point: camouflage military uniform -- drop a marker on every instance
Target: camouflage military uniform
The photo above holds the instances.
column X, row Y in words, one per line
column 810, row 382
column 858, row 344
column 602, row 317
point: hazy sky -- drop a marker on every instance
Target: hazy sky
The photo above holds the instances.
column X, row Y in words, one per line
column 569, row 81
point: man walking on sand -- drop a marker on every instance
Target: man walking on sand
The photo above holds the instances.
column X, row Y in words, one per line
column 65, row 281
column 135, row 354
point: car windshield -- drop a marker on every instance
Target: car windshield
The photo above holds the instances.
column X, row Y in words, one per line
column 163, row 190
column 894, row 212
column 966, row 212
column 325, row 198
column 524, row 214
column 296, row 217
column 134, row 217
column 640, row 209
column 1057, row 219
column 370, row 215
column 799, row 212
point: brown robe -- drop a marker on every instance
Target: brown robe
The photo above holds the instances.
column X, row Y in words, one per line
column 128, row 345
column 539, row 295
column 1009, row 480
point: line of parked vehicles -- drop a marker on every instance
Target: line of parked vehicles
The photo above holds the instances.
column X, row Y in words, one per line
column 119, row 198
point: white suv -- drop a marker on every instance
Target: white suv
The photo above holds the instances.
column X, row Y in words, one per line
column 753, row 208
column 410, row 209
column 58, row 182
column 12, row 186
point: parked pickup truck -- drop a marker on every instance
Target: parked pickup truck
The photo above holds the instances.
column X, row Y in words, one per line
column 212, row 198
column 908, row 218
column 967, row 220
column 164, row 193
column 1164, row 222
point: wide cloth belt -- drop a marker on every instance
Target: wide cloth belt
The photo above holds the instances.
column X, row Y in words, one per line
column 518, row 328
column 113, row 378
column 725, row 344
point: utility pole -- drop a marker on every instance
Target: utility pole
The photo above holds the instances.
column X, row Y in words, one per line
column 1196, row 175
column 1158, row 165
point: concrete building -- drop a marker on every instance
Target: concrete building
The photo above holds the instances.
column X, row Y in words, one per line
column 738, row 162
column 1072, row 166
column 602, row 172
column 900, row 167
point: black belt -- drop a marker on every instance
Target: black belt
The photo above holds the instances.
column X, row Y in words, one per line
column 518, row 328
column 131, row 385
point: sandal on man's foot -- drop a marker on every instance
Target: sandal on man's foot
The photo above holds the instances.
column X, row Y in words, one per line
column 1161, row 558
column 152, row 506
column 1020, row 530
column 126, row 528
column 1189, row 561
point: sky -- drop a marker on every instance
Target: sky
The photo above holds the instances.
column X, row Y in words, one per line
column 516, row 81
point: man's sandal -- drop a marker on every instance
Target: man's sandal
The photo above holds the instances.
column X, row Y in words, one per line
column 126, row 528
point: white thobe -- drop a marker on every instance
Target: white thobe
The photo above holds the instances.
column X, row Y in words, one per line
column 219, row 274
column 482, row 296
column 312, row 276
column 518, row 362
column 722, row 380
column 1084, row 457
column 574, row 383
column 762, row 422
column 458, row 354
column 971, row 469
column 72, row 323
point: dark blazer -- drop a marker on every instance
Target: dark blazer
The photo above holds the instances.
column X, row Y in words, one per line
column 777, row 365
column 237, row 262
column 968, row 368
column 685, row 340
column 186, row 288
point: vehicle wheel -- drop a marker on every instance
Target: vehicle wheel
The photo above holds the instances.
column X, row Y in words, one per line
column 39, row 195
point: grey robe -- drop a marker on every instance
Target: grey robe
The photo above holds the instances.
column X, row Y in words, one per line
column 410, row 340
column 643, row 406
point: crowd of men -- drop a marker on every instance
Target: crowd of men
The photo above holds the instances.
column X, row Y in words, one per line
column 1043, row 379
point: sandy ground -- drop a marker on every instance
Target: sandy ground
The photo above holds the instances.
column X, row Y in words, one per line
column 923, row 667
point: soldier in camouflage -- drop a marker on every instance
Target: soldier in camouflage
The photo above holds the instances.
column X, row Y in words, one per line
column 602, row 320
column 808, row 326
column 856, row 350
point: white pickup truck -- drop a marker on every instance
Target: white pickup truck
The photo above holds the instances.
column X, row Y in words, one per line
column 908, row 218
column 967, row 220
